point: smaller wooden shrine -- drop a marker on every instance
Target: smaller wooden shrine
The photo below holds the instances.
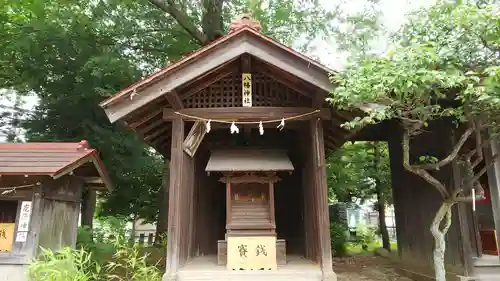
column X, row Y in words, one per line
column 250, row 174
column 41, row 191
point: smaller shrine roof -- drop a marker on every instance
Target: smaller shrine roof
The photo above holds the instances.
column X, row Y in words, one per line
column 251, row 160
column 53, row 159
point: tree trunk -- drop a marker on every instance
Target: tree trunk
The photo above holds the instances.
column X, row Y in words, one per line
column 212, row 19
column 132, row 231
column 386, row 242
column 89, row 201
column 162, row 223
column 444, row 214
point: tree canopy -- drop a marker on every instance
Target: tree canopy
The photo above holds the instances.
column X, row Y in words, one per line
column 73, row 55
column 352, row 172
column 445, row 66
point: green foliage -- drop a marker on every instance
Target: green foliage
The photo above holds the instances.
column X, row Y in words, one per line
column 100, row 240
column 338, row 233
column 128, row 264
column 353, row 175
column 73, row 56
column 365, row 236
column 121, row 261
column 446, row 52
column 66, row 264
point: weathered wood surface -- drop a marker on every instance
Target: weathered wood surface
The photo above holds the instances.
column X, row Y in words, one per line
column 60, row 213
column 248, row 113
column 221, row 90
column 416, row 203
column 180, row 242
column 206, row 268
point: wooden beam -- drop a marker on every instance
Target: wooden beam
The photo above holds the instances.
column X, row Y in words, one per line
column 145, row 119
column 151, row 126
column 259, row 113
column 246, row 63
column 193, row 89
column 299, row 87
column 157, row 133
column 161, row 139
column 174, row 100
column 93, row 180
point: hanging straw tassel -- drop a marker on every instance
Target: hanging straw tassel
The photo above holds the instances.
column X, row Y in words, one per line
column 261, row 128
column 208, row 127
column 134, row 93
column 234, row 129
column 473, row 199
column 281, row 125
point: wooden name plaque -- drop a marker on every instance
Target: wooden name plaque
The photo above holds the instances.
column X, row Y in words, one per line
column 251, row 253
column 6, row 236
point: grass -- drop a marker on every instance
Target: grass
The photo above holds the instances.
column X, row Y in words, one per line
column 357, row 249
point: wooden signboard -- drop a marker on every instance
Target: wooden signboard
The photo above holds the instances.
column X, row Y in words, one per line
column 6, row 236
column 194, row 138
column 251, row 253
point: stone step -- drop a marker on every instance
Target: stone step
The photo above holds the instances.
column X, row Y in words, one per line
column 249, row 276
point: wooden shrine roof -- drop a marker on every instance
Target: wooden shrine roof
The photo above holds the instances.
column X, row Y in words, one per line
column 252, row 160
column 207, row 79
column 53, row 159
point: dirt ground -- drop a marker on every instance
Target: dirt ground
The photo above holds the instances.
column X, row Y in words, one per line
column 366, row 268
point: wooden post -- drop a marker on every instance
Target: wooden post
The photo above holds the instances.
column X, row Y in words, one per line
column 493, row 174
column 271, row 202
column 228, row 201
column 174, row 204
column 88, row 205
column 321, row 199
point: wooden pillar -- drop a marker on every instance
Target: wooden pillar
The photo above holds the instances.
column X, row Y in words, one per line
column 174, row 204
column 89, row 200
column 271, row 203
column 228, row 201
column 321, row 199
column 494, row 183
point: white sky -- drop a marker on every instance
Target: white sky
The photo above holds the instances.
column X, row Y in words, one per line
column 394, row 15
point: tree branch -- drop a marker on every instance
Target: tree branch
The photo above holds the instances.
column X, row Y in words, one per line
column 453, row 154
column 447, row 223
column 485, row 168
column 418, row 171
column 173, row 9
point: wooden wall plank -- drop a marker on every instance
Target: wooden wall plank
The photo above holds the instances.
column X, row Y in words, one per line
column 321, row 199
column 175, row 190
column 416, row 203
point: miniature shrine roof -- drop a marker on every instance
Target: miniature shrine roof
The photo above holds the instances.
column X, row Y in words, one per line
column 53, row 159
column 252, row 160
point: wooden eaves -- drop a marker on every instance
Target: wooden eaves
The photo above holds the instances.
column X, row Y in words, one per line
column 147, row 106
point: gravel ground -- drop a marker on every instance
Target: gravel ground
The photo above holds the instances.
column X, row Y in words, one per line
column 366, row 268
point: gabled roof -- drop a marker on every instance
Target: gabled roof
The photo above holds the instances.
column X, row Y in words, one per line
column 254, row 160
column 49, row 159
column 245, row 40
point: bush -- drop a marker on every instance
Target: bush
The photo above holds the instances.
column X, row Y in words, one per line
column 365, row 236
column 124, row 263
column 67, row 264
column 339, row 239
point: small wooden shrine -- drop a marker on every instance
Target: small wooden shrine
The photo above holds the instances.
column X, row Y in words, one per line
column 41, row 193
column 247, row 91
column 245, row 125
column 250, row 176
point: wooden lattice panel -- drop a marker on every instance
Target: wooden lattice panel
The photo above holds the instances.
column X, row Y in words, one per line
column 227, row 93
